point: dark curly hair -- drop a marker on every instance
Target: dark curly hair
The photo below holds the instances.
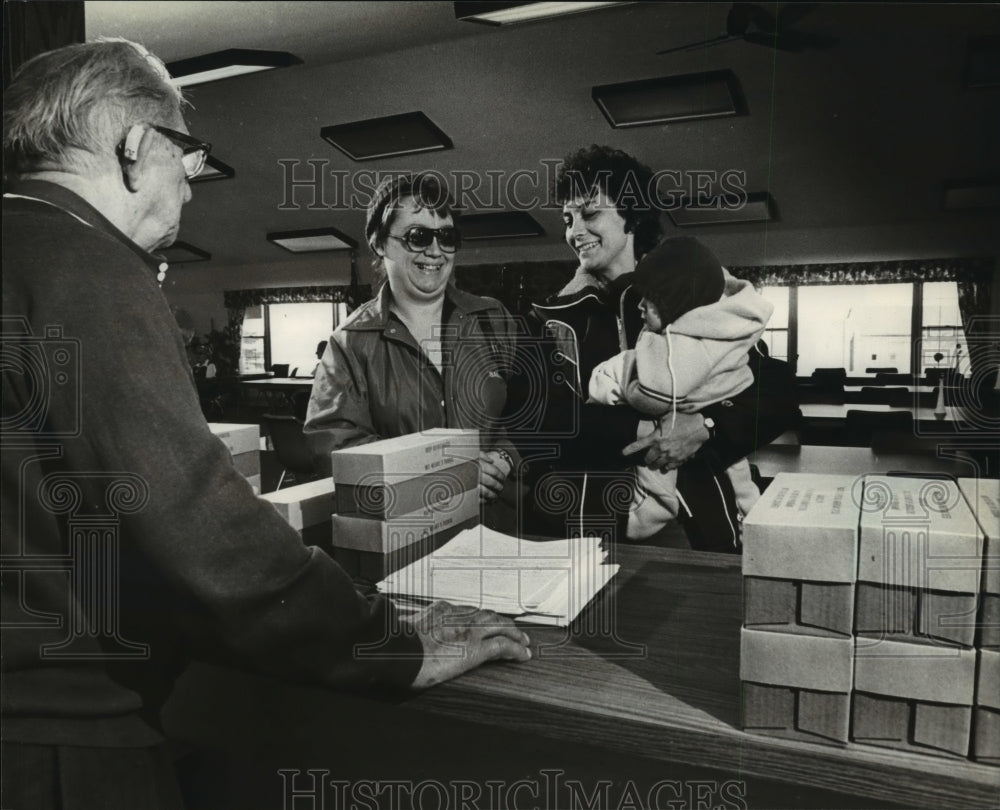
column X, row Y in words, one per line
column 624, row 179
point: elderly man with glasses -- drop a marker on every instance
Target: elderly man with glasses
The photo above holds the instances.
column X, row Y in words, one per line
column 130, row 543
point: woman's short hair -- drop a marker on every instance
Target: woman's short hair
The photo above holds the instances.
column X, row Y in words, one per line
column 82, row 97
column 428, row 189
column 624, row 179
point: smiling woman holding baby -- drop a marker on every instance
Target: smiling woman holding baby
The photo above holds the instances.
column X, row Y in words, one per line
column 612, row 220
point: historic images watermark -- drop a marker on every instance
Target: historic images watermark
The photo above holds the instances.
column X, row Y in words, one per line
column 315, row 789
column 919, row 567
column 88, row 504
column 313, row 185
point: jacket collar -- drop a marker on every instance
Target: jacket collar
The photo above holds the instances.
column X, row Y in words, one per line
column 587, row 299
column 375, row 313
column 621, row 285
column 74, row 205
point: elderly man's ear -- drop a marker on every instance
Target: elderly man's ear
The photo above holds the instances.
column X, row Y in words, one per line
column 135, row 154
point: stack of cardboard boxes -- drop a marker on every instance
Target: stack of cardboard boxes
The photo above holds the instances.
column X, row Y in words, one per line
column 984, row 498
column 398, row 499
column 307, row 508
column 919, row 567
column 243, row 442
column 863, row 615
column 800, row 546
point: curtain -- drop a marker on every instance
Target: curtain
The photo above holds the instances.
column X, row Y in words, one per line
column 982, row 332
column 341, row 294
column 975, row 271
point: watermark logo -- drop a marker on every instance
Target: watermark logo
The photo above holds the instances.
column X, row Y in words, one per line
column 313, row 185
column 314, row 789
column 47, row 368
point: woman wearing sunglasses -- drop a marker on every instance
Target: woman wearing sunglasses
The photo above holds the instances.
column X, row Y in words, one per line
column 422, row 353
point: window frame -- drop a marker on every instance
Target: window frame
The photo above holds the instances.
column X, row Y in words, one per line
column 917, row 327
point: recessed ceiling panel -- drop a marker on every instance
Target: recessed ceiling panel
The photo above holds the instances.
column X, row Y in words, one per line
column 391, row 136
column 312, row 240
column 687, row 97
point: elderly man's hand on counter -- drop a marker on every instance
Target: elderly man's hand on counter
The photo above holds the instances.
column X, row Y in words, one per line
column 458, row 638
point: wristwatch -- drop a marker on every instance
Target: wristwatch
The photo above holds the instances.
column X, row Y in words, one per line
column 506, row 457
column 709, row 426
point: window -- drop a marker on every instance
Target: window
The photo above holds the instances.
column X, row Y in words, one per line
column 861, row 326
column 942, row 330
column 776, row 333
column 854, row 327
column 287, row 334
column 252, row 343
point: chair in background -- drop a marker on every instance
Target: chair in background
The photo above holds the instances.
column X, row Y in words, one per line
column 290, row 446
column 934, row 373
column 826, row 385
column 300, row 404
column 885, row 370
column 884, row 378
column 279, row 369
column 860, row 426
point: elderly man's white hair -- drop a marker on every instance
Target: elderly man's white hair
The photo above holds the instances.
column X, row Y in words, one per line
column 71, row 105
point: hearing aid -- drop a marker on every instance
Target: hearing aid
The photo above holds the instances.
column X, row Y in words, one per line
column 130, row 150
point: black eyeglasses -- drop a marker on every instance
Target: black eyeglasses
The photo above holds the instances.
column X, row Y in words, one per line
column 195, row 152
column 418, row 238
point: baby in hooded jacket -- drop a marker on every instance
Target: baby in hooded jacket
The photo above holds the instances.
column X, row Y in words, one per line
column 700, row 325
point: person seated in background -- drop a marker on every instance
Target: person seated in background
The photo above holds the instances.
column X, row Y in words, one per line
column 320, row 349
column 421, row 354
column 200, row 351
column 186, row 562
column 700, row 324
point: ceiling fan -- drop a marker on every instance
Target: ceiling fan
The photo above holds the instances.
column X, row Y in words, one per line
column 752, row 23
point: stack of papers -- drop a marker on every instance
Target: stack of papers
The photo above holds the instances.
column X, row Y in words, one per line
column 538, row 582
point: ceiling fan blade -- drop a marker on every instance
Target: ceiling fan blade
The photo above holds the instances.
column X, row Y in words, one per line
column 791, row 13
column 761, row 18
column 738, row 19
column 780, row 42
column 707, row 43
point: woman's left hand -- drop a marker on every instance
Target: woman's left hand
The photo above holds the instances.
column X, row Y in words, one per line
column 669, row 451
column 493, row 471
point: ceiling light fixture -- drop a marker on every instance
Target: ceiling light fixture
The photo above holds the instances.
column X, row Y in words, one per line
column 183, row 253
column 509, row 13
column 390, row 136
column 226, row 64
column 688, row 97
column 757, row 207
column 312, row 240
column 982, row 62
column 964, row 195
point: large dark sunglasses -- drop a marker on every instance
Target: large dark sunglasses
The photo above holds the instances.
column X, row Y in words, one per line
column 418, row 238
column 195, row 152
